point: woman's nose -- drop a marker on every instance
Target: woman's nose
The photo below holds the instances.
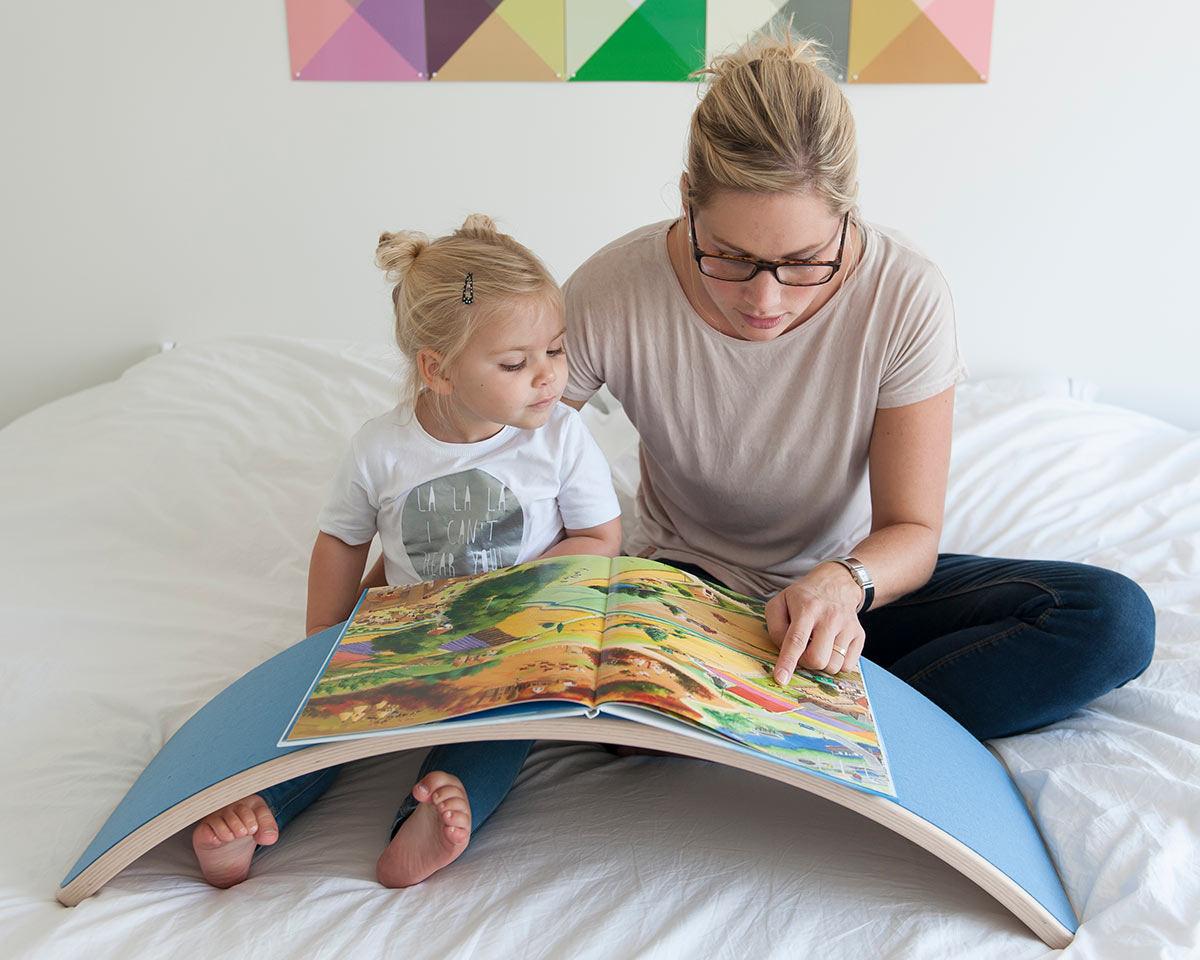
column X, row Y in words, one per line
column 762, row 290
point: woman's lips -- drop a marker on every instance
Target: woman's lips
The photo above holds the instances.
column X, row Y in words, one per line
column 761, row 323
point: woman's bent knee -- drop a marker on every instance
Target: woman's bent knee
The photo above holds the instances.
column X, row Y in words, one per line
column 1126, row 621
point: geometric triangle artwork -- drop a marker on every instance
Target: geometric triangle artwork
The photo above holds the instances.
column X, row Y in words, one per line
column 588, row 24
column 372, row 40
column 968, row 26
column 519, row 40
column 928, row 41
column 657, row 40
column 310, row 25
column 870, row 41
column 542, row 25
column 730, row 22
column 448, row 25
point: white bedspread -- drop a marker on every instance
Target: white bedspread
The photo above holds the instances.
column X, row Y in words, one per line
column 154, row 539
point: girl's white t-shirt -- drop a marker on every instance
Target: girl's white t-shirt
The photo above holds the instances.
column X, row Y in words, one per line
column 451, row 509
column 754, row 454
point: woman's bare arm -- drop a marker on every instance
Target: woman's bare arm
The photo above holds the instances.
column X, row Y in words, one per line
column 909, row 463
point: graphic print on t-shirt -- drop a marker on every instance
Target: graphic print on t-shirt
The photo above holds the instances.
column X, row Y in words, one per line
column 461, row 524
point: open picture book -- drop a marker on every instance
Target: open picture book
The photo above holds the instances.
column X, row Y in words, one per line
column 583, row 635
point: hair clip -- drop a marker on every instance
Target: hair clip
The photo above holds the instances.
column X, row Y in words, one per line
column 468, row 290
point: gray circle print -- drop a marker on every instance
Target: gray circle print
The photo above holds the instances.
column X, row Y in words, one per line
column 460, row 524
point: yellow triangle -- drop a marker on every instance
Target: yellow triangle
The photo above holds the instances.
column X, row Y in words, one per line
column 921, row 54
column 495, row 52
column 873, row 25
column 541, row 24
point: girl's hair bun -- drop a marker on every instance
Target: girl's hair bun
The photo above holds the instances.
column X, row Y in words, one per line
column 397, row 251
column 478, row 226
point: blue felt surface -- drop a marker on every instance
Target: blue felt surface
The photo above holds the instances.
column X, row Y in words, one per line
column 202, row 752
column 947, row 777
column 941, row 773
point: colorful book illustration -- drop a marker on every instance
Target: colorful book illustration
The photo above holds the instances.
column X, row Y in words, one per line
column 625, row 637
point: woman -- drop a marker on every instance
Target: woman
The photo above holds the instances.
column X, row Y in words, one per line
column 791, row 372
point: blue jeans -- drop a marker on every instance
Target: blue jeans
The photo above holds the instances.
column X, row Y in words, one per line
column 1003, row 646
column 1006, row 646
column 487, row 770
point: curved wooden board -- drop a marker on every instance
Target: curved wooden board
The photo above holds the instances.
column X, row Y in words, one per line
column 954, row 798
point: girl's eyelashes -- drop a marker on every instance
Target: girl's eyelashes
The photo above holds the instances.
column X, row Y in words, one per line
column 514, row 367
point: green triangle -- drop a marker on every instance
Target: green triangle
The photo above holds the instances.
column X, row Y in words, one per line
column 681, row 24
column 635, row 51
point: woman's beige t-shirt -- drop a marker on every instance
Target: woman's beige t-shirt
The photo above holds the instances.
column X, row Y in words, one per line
column 754, row 454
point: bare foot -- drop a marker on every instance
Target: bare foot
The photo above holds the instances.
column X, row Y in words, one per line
column 434, row 835
column 225, row 841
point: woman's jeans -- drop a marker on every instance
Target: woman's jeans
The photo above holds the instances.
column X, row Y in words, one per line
column 1006, row 646
column 1003, row 646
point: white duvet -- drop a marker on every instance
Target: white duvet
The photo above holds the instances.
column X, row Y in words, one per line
column 154, row 538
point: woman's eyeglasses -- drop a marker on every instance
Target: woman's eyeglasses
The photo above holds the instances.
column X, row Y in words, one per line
column 791, row 273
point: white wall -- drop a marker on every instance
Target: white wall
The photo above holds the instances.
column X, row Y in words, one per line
column 164, row 179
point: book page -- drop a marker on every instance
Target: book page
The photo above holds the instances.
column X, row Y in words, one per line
column 451, row 648
column 701, row 653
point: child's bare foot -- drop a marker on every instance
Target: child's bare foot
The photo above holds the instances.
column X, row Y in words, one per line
column 224, row 841
column 433, row 836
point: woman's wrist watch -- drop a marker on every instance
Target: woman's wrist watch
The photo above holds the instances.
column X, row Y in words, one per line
column 861, row 576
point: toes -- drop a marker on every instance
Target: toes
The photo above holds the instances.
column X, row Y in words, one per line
column 436, row 783
column 205, row 835
column 245, row 818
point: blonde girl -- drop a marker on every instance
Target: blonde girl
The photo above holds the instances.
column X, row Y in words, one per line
column 482, row 438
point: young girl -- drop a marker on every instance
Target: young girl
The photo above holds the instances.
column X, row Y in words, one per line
column 480, row 468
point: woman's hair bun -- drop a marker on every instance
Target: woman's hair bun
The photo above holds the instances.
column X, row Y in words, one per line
column 397, row 251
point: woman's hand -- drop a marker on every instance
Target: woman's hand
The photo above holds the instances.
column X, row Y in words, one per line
column 814, row 622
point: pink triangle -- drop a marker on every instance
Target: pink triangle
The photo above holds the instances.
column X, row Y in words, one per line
column 967, row 24
column 310, row 25
column 357, row 52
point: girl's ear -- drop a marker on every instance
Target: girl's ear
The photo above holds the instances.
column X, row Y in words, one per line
column 432, row 368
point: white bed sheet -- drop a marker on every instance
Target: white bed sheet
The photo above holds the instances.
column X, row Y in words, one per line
column 154, row 537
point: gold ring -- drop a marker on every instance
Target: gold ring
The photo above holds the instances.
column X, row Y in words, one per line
column 837, row 649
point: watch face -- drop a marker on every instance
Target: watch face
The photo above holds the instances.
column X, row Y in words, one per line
column 857, row 570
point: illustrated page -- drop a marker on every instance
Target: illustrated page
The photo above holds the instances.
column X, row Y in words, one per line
column 701, row 653
column 452, row 648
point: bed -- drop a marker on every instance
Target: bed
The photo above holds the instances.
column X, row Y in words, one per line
column 154, row 539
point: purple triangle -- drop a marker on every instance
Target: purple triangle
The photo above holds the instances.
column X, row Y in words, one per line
column 357, row 52
column 401, row 23
column 448, row 24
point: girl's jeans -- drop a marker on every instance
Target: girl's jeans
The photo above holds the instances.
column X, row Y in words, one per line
column 1003, row 646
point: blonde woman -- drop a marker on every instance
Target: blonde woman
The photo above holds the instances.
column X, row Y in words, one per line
column 791, row 370
column 480, row 321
